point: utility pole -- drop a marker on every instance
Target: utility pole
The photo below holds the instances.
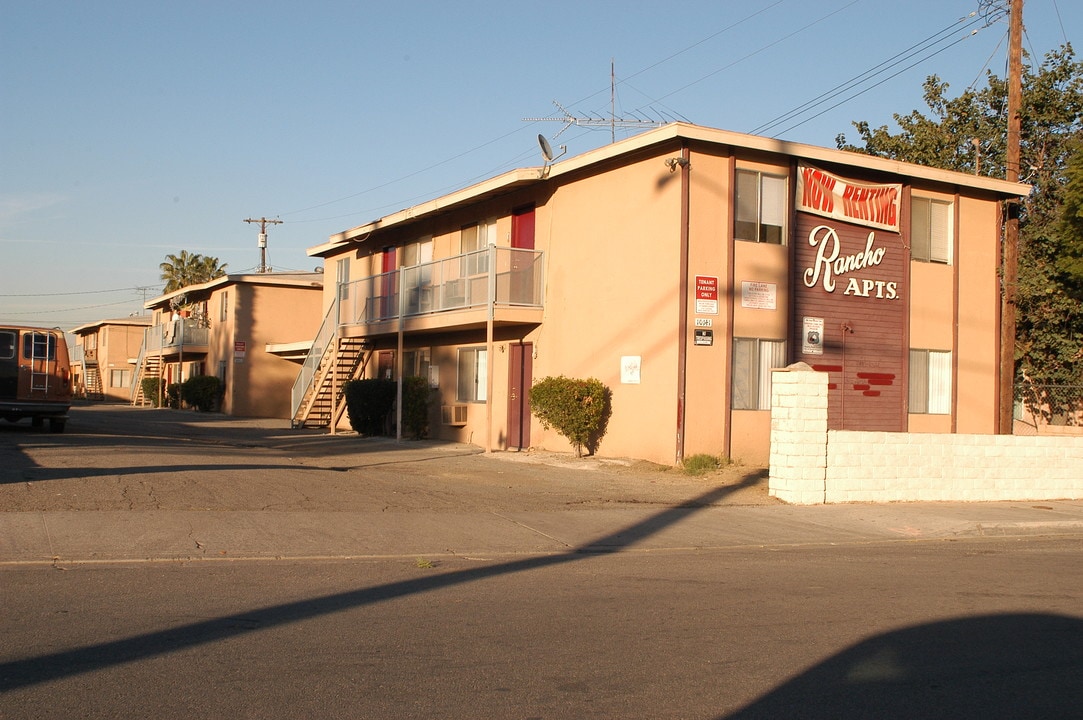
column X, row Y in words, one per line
column 1010, row 258
column 263, row 222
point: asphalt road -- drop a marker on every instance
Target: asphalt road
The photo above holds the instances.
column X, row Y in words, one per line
column 388, row 580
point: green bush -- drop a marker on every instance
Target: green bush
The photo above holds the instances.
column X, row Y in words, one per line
column 369, row 402
column 415, row 407
column 173, row 396
column 578, row 409
column 150, row 387
column 702, row 463
column 201, row 392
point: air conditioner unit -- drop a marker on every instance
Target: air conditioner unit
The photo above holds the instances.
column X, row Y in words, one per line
column 453, row 414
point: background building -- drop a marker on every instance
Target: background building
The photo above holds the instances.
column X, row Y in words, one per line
column 103, row 358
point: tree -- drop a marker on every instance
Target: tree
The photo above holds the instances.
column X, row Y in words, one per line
column 968, row 134
column 189, row 269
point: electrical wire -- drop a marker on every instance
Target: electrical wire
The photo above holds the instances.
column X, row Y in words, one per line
column 872, row 72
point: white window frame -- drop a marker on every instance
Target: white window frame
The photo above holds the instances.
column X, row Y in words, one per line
column 930, row 382
column 753, row 360
column 474, row 240
column 472, row 377
column 931, row 230
column 764, row 195
column 119, row 377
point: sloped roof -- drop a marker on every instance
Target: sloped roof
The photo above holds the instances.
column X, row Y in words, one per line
column 667, row 133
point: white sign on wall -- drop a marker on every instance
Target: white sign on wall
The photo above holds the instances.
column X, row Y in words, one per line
column 629, row 369
column 759, row 295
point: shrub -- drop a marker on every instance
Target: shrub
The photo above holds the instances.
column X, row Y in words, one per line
column 150, row 387
column 201, row 392
column 172, row 396
column 577, row 409
column 369, row 402
column 701, row 463
column 415, row 407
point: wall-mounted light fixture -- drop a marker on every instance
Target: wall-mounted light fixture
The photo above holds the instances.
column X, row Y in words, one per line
column 673, row 162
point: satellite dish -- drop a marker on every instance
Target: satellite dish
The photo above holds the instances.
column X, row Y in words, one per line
column 546, row 148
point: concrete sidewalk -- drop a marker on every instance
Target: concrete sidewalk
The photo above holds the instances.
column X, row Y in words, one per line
column 82, row 536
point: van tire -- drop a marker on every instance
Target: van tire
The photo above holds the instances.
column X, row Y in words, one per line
column 56, row 425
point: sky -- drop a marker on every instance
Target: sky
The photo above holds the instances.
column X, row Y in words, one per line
column 134, row 130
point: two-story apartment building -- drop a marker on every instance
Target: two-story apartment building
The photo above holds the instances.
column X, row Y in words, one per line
column 102, row 357
column 249, row 330
column 679, row 267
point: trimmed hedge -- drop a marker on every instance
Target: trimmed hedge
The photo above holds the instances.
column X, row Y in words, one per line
column 201, row 392
column 578, row 409
column 371, row 403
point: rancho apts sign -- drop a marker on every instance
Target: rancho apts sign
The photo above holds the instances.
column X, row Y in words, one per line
column 850, row 283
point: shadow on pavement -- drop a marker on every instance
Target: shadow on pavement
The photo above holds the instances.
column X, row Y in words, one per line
column 997, row 666
column 44, row 668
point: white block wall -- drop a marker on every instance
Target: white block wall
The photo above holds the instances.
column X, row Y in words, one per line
column 811, row 465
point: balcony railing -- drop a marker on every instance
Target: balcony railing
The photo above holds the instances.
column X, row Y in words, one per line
column 508, row 277
column 174, row 335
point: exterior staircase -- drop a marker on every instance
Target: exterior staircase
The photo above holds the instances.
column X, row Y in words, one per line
column 147, row 366
column 322, row 403
column 92, row 380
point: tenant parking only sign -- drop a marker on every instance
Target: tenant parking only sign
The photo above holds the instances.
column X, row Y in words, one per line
column 706, row 295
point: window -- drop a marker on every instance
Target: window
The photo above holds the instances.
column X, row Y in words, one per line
column 474, row 244
column 415, row 363
column 221, row 374
column 930, row 382
column 761, row 208
column 473, row 375
column 417, row 275
column 7, row 345
column 39, row 346
column 119, row 378
column 223, row 308
column 753, row 360
column 930, row 230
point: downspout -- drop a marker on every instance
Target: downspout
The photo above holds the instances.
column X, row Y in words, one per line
column 398, row 356
column 682, row 311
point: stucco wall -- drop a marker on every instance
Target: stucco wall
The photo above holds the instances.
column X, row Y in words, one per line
column 811, row 465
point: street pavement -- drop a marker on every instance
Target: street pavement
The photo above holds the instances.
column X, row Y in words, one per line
column 730, row 513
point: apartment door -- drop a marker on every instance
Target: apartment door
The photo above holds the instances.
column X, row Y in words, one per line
column 389, row 303
column 521, row 270
column 520, row 373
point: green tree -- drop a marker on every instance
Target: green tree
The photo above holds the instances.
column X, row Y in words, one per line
column 187, row 268
column 968, row 133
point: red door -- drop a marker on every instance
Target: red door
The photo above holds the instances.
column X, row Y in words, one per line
column 521, row 270
column 388, row 300
column 520, row 372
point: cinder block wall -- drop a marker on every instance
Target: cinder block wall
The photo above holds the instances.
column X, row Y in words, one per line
column 815, row 465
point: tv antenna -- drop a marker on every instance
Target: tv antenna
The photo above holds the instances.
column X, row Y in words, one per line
column 595, row 121
column 263, row 241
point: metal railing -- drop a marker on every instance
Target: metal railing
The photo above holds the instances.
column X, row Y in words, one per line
column 175, row 334
column 325, row 340
column 454, row 283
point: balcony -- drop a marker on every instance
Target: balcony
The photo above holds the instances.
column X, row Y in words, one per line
column 453, row 293
column 175, row 337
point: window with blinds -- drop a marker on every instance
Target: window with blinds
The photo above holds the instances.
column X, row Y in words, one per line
column 753, row 360
column 930, row 230
column 930, row 382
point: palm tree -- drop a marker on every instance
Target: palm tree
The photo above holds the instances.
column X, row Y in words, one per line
column 187, row 268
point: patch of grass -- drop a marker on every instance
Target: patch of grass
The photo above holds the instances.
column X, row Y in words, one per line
column 702, row 463
column 424, row 564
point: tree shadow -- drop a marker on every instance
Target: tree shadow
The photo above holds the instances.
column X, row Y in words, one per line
column 997, row 666
column 53, row 666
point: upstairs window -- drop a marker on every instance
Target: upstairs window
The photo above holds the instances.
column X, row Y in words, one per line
column 930, row 230
column 761, row 208
column 930, row 382
column 474, row 241
column 753, row 360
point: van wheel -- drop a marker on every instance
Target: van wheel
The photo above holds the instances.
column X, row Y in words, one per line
column 57, row 425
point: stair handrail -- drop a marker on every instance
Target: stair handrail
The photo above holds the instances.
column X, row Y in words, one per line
column 323, row 343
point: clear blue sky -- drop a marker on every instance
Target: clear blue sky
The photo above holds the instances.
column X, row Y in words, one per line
column 130, row 130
